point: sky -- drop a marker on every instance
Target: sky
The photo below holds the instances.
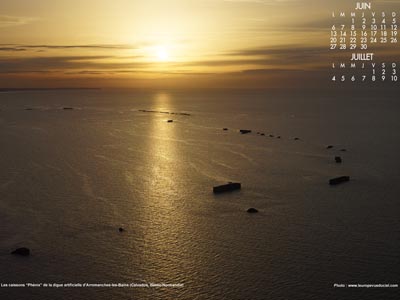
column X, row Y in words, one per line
column 167, row 43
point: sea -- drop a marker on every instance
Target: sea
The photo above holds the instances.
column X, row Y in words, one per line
column 77, row 165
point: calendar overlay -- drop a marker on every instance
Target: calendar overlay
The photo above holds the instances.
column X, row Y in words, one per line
column 363, row 45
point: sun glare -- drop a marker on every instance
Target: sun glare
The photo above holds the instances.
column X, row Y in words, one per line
column 162, row 53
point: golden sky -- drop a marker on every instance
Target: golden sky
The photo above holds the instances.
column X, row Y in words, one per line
column 167, row 43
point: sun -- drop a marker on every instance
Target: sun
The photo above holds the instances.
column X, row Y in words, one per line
column 162, row 53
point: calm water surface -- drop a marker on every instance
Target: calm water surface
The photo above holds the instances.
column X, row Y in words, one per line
column 70, row 178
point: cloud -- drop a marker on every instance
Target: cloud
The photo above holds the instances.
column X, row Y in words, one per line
column 279, row 57
column 67, row 63
column 284, row 50
column 273, row 71
column 11, row 49
column 99, row 46
column 285, row 57
column 10, row 21
column 269, row 2
column 257, row 61
column 35, row 64
column 112, row 72
column 14, row 47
